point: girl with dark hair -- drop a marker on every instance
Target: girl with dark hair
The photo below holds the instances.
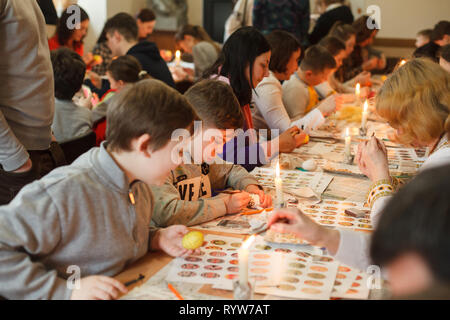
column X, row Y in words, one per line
column 270, row 111
column 146, row 21
column 244, row 63
column 196, row 41
column 72, row 37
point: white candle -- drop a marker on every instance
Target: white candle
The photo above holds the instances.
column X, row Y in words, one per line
column 243, row 254
column 348, row 142
column 278, row 187
column 177, row 58
column 358, row 93
column 365, row 115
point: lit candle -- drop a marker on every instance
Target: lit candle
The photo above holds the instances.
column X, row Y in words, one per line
column 278, row 187
column 365, row 114
column 243, row 254
column 402, row 62
column 177, row 58
column 348, row 142
column 358, row 93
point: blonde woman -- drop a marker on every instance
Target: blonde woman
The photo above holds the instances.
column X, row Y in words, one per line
column 415, row 100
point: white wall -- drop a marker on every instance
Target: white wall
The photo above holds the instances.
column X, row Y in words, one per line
column 97, row 11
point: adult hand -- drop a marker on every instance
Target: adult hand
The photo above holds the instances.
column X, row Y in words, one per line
column 98, row 288
column 372, row 159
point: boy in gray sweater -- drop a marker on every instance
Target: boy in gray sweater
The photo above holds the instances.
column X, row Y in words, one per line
column 192, row 192
column 70, row 121
column 94, row 215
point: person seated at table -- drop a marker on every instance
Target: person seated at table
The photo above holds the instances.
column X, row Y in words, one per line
column 347, row 34
column 364, row 57
column 122, row 34
column 423, row 37
column 299, row 96
column 270, row 112
column 410, row 243
column 146, row 21
column 121, row 72
column 72, row 37
column 70, row 121
column 94, row 215
column 196, row 41
column 334, row 10
column 444, row 60
column 440, row 36
column 191, row 194
column 243, row 64
column 419, row 87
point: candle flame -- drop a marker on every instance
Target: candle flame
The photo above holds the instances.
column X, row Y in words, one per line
column 247, row 243
column 366, row 106
column 178, row 54
column 358, row 88
column 402, row 62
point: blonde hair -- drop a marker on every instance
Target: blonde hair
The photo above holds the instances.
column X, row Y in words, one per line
column 416, row 99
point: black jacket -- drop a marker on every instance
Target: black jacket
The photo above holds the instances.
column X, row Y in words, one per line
column 327, row 20
column 429, row 50
column 147, row 53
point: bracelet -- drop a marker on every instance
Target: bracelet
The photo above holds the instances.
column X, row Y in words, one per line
column 381, row 188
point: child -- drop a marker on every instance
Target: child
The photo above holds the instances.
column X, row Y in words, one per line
column 440, row 37
column 146, row 21
column 299, row 96
column 196, row 41
column 122, row 36
column 444, row 60
column 191, row 194
column 122, row 71
column 70, row 121
column 94, row 215
column 423, row 37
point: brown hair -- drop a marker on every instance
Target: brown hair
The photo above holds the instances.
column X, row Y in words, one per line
column 362, row 32
column 216, row 104
column 416, row 99
column 317, row 59
column 283, row 44
column 333, row 45
column 124, row 24
column 147, row 107
column 146, row 15
column 197, row 32
column 441, row 29
column 342, row 31
column 126, row 68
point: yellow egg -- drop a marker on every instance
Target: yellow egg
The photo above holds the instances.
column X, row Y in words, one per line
column 193, row 240
column 306, row 139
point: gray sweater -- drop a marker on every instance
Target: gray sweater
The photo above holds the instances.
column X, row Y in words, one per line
column 77, row 215
column 26, row 83
column 70, row 121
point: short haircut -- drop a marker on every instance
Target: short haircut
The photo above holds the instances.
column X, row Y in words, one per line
column 317, row 59
column 283, row 44
column 198, row 33
column 417, row 220
column 342, row 31
column 147, row 107
column 126, row 68
column 441, row 29
column 416, row 99
column 215, row 104
column 69, row 70
column 333, row 45
column 124, row 24
column 425, row 33
column 146, row 15
column 445, row 52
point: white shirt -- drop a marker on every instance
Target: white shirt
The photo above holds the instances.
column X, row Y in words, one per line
column 270, row 111
column 354, row 246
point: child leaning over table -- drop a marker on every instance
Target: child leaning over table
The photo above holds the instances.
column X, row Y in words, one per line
column 95, row 214
column 191, row 194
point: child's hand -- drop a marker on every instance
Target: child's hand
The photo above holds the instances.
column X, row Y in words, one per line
column 363, row 78
column 169, row 240
column 98, row 288
column 265, row 200
column 328, row 106
column 237, row 202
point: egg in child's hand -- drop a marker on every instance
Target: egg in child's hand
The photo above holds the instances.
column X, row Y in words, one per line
column 192, row 240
